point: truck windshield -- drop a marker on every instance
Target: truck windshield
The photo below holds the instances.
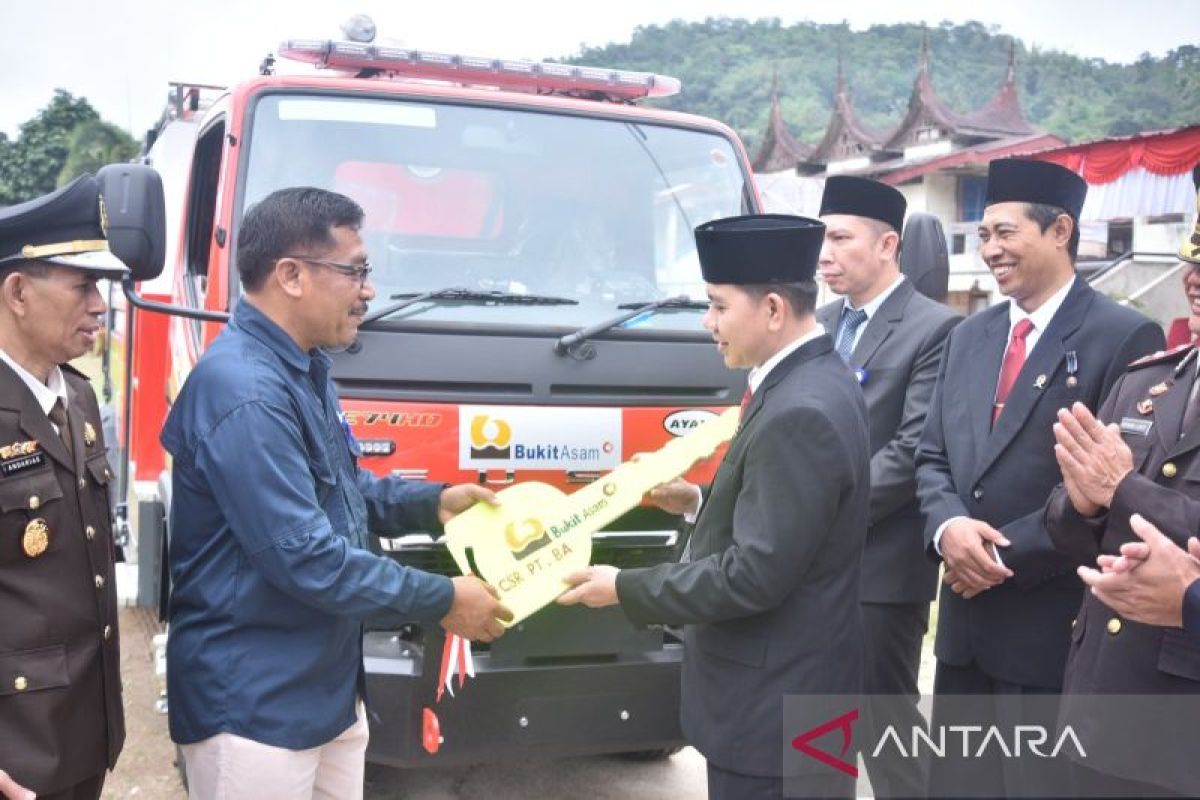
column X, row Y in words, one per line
column 493, row 199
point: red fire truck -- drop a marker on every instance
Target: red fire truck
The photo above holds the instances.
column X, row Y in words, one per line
column 538, row 318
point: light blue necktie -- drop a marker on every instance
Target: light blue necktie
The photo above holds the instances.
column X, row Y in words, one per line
column 852, row 320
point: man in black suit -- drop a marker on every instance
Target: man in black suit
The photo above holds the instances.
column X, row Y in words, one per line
column 768, row 590
column 986, row 465
column 893, row 338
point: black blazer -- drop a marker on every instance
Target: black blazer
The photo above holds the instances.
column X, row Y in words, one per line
column 1018, row 631
column 901, row 350
column 769, row 596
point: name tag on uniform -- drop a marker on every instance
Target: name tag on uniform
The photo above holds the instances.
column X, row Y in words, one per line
column 20, row 464
column 1138, row 427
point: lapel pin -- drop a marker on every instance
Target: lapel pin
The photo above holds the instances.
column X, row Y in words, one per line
column 1145, row 406
column 89, row 434
column 1158, row 388
column 1040, row 383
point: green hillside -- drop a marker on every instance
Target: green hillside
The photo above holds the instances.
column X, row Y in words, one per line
column 726, row 67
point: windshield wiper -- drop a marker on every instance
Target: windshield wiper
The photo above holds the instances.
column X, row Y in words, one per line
column 683, row 301
column 573, row 342
column 454, row 294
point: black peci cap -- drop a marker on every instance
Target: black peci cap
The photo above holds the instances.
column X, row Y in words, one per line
column 760, row 248
column 862, row 197
column 1022, row 180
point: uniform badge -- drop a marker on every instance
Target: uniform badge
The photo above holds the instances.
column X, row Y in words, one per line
column 19, row 457
column 103, row 217
column 1040, row 382
column 1145, row 406
column 1158, row 388
column 89, row 434
column 18, row 449
column 1072, row 369
column 1135, row 426
column 36, row 538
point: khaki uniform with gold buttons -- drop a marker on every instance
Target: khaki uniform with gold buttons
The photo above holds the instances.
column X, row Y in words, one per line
column 61, row 720
column 1109, row 654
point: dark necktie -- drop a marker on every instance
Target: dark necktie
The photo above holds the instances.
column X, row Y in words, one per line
column 1014, row 359
column 58, row 415
column 852, row 320
column 1191, row 413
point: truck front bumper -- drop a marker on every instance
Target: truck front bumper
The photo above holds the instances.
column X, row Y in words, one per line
column 543, row 707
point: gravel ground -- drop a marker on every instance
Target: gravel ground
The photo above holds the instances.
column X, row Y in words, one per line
column 147, row 765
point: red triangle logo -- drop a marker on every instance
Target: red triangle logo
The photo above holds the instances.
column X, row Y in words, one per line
column 843, row 723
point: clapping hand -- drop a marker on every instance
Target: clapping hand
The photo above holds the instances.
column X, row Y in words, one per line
column 1093, row 458
column 11, row 790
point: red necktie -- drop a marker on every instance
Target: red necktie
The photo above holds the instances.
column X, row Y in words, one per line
column 1014, row 359
column 745, row 404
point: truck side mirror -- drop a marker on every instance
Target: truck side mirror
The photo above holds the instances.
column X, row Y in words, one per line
column 923, row 256
column 137, row 229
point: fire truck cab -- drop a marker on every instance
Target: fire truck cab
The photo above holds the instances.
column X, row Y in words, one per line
column 538, row 317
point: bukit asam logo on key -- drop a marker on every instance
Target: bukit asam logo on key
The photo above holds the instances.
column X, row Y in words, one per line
column 544, row 438
column 525, row 538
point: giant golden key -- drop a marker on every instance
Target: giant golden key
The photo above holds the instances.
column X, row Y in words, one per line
column 538, row 535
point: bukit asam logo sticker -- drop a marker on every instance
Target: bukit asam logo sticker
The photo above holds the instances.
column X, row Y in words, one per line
column 490, row 437
column 508, row 437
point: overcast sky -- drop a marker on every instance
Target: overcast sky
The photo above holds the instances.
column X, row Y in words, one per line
column 120, row 54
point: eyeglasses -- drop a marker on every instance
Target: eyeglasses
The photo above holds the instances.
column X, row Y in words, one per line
column 355, row 272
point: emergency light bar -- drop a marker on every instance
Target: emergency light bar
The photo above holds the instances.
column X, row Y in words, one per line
column 505, row 74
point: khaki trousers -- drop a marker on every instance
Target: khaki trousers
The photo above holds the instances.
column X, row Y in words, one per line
column 228, row 767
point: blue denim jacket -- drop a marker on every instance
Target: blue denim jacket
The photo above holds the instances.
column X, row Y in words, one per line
column 269, row 519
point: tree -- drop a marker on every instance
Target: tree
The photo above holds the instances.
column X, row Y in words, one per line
column 727, row 65
column 92, row 145
column 30, row 165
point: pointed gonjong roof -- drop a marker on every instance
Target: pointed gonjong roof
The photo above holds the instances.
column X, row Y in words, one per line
column 845, row 136
column 1000, row 117
column 780, row 150
column 1002, row 114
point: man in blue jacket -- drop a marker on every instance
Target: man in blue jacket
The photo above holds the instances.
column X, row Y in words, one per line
column 269, row 521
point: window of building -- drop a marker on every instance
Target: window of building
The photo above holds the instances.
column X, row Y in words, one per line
column 1120, row 237
column 972, row 191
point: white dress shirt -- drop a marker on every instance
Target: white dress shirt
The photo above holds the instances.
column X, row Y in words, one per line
column 869, row 309
column 1040, row 317
column 757, row 376
column 47, row 393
